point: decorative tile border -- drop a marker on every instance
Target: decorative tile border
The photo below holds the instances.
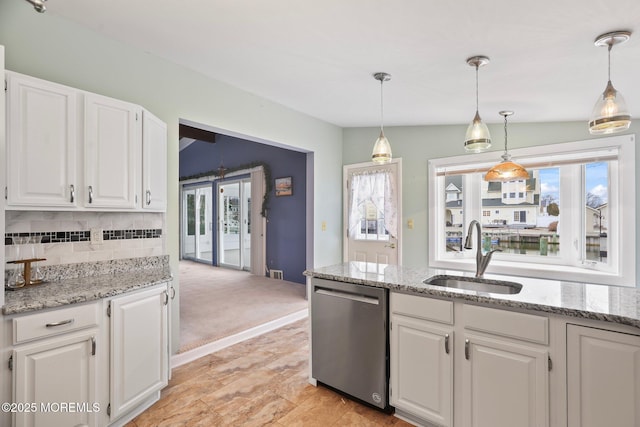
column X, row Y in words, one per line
column 85, row 236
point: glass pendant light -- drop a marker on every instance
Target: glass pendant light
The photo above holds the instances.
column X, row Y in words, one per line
column 506, row 170
column 382, row 148
column 478, row 137
column 610, row 113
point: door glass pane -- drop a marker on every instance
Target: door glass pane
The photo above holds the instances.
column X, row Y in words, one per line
column 229, row 214
column 454, row 214
column 521, row 217
column 189, row 224
column 367, row 211
column 205, row 223
column 596, row 211
column 246, row 231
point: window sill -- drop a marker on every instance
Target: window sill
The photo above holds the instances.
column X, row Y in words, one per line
column 540, row 271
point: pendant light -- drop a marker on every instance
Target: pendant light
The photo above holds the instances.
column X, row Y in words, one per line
column 478, row 137
column 506, row 170
column 382, row 148
column 610, row 113
column 38, row 5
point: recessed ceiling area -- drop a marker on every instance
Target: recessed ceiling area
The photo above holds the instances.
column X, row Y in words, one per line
column 318, row 57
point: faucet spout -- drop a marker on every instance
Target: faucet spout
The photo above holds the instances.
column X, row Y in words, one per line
column 482, row 261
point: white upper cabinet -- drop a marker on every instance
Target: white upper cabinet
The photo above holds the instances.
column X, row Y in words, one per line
column 111, row 152
column 42, row 142
column 154, row 162
column 70, row 149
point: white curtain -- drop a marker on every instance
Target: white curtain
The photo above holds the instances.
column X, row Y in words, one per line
column 379, row 188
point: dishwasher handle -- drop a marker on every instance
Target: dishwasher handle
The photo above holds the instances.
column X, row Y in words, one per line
column 347, row 295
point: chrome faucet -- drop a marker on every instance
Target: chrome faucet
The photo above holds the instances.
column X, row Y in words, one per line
column 482, row 261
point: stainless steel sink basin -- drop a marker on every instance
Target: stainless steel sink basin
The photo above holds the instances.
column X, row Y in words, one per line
column 475, row 284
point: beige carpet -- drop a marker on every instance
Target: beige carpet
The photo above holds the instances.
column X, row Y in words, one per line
column 218, row 302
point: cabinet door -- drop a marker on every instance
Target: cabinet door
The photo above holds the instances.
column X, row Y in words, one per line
column 139, row 348
column 603, row 378
column 422, row 369
column 54, row 372
column 504, row 384
column 112, row 153
column 154, row 162
column 42, row 130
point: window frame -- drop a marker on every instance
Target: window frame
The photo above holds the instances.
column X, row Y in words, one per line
column 621, row 268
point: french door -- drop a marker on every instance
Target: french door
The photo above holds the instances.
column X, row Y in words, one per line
column 234, row 224
column 372, row 207
column 197, row 227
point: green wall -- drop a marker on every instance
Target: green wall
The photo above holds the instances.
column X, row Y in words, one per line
column 417, row 144
column 51, row 48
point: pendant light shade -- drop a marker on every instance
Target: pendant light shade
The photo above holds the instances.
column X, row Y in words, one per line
column 506, row 170
column 477, row 138
column 381, row 149
column 610, row 113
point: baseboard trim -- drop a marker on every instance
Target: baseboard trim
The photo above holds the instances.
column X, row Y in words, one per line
column 198, row 352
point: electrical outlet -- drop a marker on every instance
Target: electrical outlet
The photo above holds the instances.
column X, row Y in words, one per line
column 96, row 236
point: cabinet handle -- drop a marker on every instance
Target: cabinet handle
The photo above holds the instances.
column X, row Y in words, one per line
column 148, row 197
column 73, row 193
column 60, row 323
column 93, row 346
column 173, row 292
column 466, row 349
column 166, row 297
column 90, row 194
column 446, row 343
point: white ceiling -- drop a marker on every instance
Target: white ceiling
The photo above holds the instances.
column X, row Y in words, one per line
column 318, row 57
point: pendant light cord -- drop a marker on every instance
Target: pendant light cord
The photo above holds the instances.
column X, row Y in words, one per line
column 381, row 106
column 609, row 60
column 505, row 134
column 477, row 66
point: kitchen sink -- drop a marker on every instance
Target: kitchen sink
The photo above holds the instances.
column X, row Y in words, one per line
column 475, row 284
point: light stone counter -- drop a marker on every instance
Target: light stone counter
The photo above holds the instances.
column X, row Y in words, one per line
column 76, row 283
column 588, row 301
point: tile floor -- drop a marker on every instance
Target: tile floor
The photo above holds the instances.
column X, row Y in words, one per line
column 262, row 381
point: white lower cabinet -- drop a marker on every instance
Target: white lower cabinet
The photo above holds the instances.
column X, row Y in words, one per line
column 496, row 376
column 54, row 364
column 422, row 369
column 505, row 384
column 139, row 348
column 421, row 356
column 93, row 364
column 603, row 378
column 55, row 381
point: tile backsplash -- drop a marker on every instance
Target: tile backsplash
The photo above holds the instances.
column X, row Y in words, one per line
column 66, row 236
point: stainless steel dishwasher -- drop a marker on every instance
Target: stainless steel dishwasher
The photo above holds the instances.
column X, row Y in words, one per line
column 349, row 339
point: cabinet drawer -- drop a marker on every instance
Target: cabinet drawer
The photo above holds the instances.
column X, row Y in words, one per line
column 40, row 325
column 422, row 307
column 522, row 326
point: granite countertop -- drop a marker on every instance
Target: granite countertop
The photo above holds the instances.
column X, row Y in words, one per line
column 588, row 301
column 76, row 283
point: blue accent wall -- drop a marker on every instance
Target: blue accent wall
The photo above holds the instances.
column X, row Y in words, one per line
column 286, row 215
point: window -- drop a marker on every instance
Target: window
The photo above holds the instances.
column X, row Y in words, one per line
column 569, row 221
